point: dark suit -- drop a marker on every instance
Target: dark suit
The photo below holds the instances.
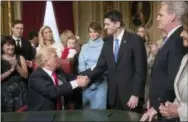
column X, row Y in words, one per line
column 26, row 50
column 127, row 76
column 164, row 70
column 42, row 93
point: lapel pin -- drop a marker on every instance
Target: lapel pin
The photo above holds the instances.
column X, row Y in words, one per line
column 124, row 41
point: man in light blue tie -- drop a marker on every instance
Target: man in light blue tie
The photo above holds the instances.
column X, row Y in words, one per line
column 123, row 56
column 116, row 49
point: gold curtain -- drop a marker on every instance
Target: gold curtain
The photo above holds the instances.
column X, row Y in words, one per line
column 88, row 11
column 10, row 10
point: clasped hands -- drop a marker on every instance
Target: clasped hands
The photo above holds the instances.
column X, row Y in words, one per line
column 168, row 110
column 82, row 81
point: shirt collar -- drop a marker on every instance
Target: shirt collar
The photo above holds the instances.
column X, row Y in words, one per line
column 120, row 36
column 173, row 30
column 48, row 72
column 15, row 38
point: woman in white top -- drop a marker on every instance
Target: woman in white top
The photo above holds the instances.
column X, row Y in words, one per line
column 46, row 40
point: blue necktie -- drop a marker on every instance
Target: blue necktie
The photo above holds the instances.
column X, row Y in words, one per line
column 116, row 50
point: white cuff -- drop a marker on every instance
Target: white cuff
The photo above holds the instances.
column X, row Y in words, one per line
column 92, row 67
column 74, row 84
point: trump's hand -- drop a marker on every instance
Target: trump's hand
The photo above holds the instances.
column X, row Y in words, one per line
column 133, row 102
column 82, row 81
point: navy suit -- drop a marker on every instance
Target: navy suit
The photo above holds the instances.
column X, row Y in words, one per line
column 42, row 93
column 164, row 70
column 127, row 76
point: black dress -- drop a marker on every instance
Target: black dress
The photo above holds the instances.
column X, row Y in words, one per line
column 13, row 89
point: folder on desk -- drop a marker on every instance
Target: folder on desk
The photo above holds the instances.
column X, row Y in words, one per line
column 40, row 117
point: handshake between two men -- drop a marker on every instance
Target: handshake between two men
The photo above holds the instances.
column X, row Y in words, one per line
column 82, row 81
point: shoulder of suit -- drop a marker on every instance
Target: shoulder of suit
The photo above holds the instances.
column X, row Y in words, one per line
column 108, row 39
column 176, row 33
column 38, row 72
column 134, row 37
column 25, row 40
column 176, row 40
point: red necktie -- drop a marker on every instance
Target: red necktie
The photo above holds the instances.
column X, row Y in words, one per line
column 59, row 104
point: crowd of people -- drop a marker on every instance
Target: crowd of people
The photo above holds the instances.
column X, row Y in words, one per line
column 124, row 70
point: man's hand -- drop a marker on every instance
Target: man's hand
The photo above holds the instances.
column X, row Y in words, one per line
column 149, row 115
column 148, row 105
column 170, row 110
column 82, row 81
column 133, row 102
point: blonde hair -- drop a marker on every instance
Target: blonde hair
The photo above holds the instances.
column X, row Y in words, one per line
column 42, row 42
column 44, row 54
column 146, row 35
column 65, row 35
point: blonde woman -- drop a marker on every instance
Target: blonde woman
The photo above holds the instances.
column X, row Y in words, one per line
column 46, row 40
column 141, row 31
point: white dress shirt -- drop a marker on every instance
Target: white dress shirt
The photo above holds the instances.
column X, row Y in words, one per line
column 170, row 33
column 73, row 83
column 119, row 37
column 15, row 38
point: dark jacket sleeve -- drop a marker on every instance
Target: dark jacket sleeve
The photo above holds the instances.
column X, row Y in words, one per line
column 47, row 89
column 64, row 76
column 32, row 53
column 140, row 61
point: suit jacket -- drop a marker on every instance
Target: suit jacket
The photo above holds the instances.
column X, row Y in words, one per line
column 26, row 49
column 127, row 76
column 164, row 70
column 42, row 93
column 180, row 87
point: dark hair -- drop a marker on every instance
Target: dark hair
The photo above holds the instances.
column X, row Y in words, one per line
column 6, row 40
column 15, row 22
column 114, row 16
column 141, row 26
column 95, row 26
column 184, row 20
column 32, row 34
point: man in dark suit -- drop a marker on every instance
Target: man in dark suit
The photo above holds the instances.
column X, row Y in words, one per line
column 123, row 56
column 47, row 85
column 167, row 60
column 22, row 47
column 33, row 39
